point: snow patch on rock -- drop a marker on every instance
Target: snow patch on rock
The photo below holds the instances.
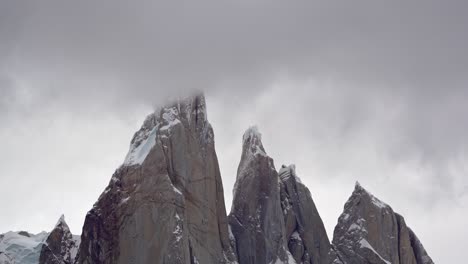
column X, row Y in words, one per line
column 365, row 244
column 253, row 138
column 295, row 235
column 289, row 171
column 138, row 153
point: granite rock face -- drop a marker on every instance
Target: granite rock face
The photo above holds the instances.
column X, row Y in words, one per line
column 165, row 204
column 307, row 239
column 256, row 217
column 370, row 232
column 273, row 217
column 60, row 246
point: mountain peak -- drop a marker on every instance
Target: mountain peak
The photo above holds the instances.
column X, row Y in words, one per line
column 357, row 185
column 61, row 220
column 367, row 230
column 189, row 112
column 252, row 135
column 61, row 224
column 360, row 191
column 169, row 188
column 60, row 247
column 252, row 141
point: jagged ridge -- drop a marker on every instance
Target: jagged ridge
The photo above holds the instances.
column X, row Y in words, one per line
column 165, row 204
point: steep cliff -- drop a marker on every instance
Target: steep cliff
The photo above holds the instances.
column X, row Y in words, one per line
column 165, row 204
column 256, row 216
column 307, row 239
column 273, row 217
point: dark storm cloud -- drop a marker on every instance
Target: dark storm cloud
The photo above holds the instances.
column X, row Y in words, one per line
column 152, row 46
column 368, row 90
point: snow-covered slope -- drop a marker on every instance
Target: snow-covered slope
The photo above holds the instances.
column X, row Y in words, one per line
column 21, row 247
column 25, row 248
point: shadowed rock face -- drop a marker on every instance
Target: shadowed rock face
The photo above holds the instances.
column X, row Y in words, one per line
column 307, row 239
column 60, row 246
column 165, row 204
column 369, row 231
column 256, row 216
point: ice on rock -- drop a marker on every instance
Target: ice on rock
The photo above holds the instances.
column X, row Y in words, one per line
column 18, row 248
column 253, row 138
column 161, row 122
column 177, row 190
column 365, row 244
column 170, row 117
column 289, row 171
column 295, row 235
column 138, row 153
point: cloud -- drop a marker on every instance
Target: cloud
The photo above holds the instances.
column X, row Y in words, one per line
column 367, row 90
column 145, row 49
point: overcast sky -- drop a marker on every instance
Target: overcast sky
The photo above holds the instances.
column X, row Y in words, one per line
column 374, row 91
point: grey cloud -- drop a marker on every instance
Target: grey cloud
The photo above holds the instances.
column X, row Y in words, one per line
column 152, row 46
column 363, row 90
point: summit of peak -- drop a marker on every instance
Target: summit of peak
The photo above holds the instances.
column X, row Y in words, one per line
column 252, row 135
column 61, row 224
column 61, row 221
column 358, row 186
column 359, row 190
column 252, row 140
column 189, row 112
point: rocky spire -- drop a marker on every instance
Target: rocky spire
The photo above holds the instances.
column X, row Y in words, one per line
column 165, row 204
column 369, row 231
column 307, row 239
column 256, row 217
column 60, row 246
column 189, row 112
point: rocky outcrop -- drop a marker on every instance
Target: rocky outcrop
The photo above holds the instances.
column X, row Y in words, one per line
column 369, row 231
column 165, row 204
column 273, row 217
column 60, row 246
column 256, row 216
column 307, row 239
